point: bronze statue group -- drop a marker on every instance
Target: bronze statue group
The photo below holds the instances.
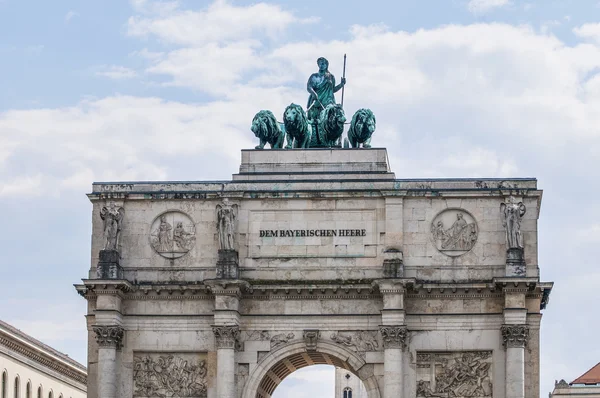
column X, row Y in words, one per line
column 322, row 124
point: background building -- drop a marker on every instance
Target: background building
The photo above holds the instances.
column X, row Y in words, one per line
column 31, row 369
column 347, row 385
column 585, row 386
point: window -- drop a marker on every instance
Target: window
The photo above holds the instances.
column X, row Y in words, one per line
column 50, row 395
column 347, row 392
column 4, row 384
column 17, row 386
column 39, row 392
column 28, row 390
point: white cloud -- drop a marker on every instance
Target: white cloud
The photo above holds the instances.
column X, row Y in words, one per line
column 116, row 72
column 22, row 186
column 483, row 6
column 588, row 31
column 70, row 15
column 219, row 22
column 317, row 381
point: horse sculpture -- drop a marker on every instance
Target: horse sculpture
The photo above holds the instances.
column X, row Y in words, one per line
column 296, row 127
column 266, row 128
column 361, row 129
column 330, row 127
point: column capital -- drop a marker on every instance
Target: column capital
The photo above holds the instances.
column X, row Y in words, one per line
column 515, row 336
column 394, row 336
column 109, row 335
column 226, row 336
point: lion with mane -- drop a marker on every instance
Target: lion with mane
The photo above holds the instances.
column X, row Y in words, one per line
column 266, row 128
column 296, row 127
column 331, row 126
column 362, row 128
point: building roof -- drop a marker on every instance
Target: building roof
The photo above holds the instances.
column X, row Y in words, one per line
column 592, row 376
column 21, row 343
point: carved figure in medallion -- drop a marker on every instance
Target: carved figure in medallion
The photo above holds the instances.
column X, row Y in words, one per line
column 172, row 242
column 512, row 213
column 459, row 238
column 296, row 126
column 226, row 225
column 321, row 87
column 266, row 128
column 112, row 217
column 169, row 376
column 362, row 128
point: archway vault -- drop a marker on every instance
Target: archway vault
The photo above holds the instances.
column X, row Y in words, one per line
column 288, row 365
column 279, row 364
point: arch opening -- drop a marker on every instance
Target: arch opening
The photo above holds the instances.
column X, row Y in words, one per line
column 279, row 364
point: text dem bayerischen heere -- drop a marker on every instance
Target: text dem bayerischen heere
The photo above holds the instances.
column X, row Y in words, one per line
column 307, row 233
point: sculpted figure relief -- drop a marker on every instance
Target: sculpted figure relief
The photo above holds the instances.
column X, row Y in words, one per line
column 512, row 213
column 266, row 128
column 172, row 234
column 112, row 217
column 169, row 376
column 453, row 375
column 459, row 238
column 321, row 87
column 296, row 126
column 226, row 225
column 362, row 128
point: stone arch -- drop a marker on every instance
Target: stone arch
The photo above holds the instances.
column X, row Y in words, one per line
column 283, row 361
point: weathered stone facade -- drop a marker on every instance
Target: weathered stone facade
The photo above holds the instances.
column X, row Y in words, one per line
column 317, row 257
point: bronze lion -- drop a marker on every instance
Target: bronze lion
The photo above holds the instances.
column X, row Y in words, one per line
column 296, row 127
column 362, row 128
column 330, row 127
column 266, row 128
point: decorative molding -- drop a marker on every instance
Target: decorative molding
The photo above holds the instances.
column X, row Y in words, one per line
column 454, row 374
column 226, row 336
column 42, row 359
column 515, row 336
column 311, row 337
column 394, row 336
column 109, row 335
column 169, row 375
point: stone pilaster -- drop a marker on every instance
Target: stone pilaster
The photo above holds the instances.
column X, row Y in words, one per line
column 514, row 338
column 109, row 339
column 394, row 344
column 226, row 338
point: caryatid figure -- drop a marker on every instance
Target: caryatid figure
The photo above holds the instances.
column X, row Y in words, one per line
column 226, row 221
column 112, row 217
column 512, row 214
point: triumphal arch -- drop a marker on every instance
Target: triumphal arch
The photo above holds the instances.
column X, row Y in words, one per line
column 315, row 254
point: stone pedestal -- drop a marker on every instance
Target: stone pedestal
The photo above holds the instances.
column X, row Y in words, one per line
column 392, row 264
column 515, row 339
column 515, row 262
column 108, row 265
column 228, row 264
column 109, row 340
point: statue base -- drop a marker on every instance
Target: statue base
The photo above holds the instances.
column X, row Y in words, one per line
column 228, row 265
column 515, row 262
column 108, row 265
column 393, row 267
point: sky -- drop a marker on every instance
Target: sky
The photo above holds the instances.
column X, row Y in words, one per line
column 166, row 90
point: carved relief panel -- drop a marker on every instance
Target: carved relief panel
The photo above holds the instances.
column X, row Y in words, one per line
column 172, row 234
column 170, row 375
column 454, row 374
column 454, row 232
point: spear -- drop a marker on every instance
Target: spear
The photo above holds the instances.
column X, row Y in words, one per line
column 343, row 77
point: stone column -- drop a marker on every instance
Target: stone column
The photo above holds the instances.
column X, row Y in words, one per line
column 226, row 338
column 394, row 343
column 515, row 339
column 109, row 338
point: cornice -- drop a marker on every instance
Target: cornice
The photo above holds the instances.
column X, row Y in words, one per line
column 46, row 360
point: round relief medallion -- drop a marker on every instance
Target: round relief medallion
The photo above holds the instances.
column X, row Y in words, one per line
column 454, row 232
column 172, row 234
